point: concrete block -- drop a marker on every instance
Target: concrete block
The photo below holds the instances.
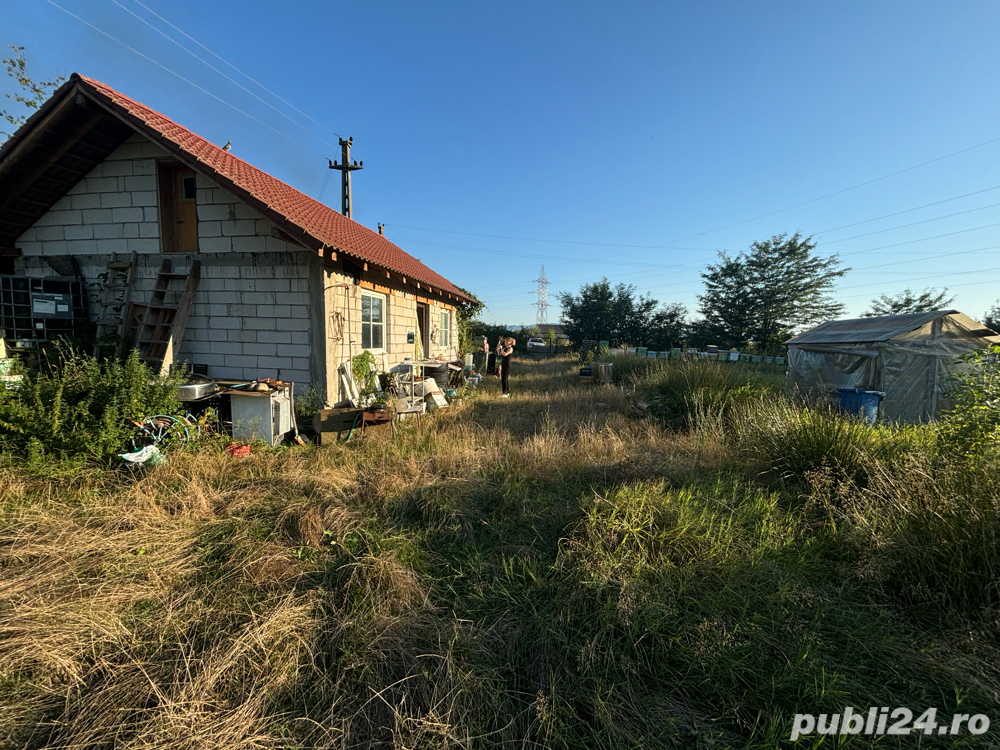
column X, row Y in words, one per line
column 299, row 377
column 249, row 244
column 275, row 245
column 242, row 336
column 294, row 350
column 102, row 185
column 258, row 298
column 199, row 347
column 130, row 230
column 116, row 200
column 50, row 233
column 30, row 248
column 282, row 311
column 273, row 285
column 292, row 324
column 151, row 150
column 265, row 311
column 113, row 245
column 213, row 212
column 108, row 231
column 203, row 182
column 209, row 229
column 298, row 285
column 242, row 228
column 260, row 324
column 225, row 298
column 275, row 337
column 87, row 200
column 127, row 214
column 263, row 227
column 144, row 245
column 144, row 166
column 241, row 360
column 226, row 323
column 144, row 198
column 151, row 213
column 55, row 247
column 300, row 363
column 226, row 347
column 299, row 311
column 300, row 337
column 214, row 335
column 211, row 360
column 79, row 232
column 243, row 211
column 243, row 310
column 116, row 168
column 78, row 189
column 140, row 183
column 149, row 229
column 82, row 247
column 228, row 373
column 273, row 362
column 292, row 298
column 261, row 350
column 215, row 244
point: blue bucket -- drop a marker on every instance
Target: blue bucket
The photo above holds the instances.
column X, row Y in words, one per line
column 861, row 402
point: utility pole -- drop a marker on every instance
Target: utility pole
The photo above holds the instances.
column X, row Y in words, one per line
column 345, row 167
column 543, row 299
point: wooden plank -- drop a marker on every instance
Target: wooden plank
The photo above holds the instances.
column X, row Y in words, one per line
column 180, row 318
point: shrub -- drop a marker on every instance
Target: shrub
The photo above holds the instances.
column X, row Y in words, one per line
column 973, row 424
column 79, row 407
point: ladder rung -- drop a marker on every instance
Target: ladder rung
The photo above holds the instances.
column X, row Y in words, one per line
column 153, row 341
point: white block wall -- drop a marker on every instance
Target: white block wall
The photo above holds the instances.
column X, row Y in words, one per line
column 251, row 313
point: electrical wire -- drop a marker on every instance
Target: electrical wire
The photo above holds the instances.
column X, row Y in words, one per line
column 178, row 75
column 208, row 64
column 249, row 78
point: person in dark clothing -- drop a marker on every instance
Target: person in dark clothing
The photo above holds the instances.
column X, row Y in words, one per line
column 506, row 350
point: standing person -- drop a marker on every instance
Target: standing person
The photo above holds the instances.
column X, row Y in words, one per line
column 506, row 350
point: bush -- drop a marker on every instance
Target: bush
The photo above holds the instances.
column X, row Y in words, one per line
column 79, row 407
column 973, row 424
column 682, row 392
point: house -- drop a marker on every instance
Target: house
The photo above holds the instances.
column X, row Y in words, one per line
column 288, row 287
column 909, row 357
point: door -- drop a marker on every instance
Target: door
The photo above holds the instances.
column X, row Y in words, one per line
column 423, row 331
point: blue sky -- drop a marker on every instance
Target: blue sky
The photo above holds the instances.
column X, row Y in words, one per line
column 628, row 140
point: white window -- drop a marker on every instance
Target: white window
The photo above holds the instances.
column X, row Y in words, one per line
column 372, row 321
column 445, row 329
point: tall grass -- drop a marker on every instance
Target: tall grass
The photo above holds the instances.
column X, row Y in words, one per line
column 540, row 571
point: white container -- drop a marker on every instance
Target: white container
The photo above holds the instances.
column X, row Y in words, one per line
column 734, row 356
column 468, row 359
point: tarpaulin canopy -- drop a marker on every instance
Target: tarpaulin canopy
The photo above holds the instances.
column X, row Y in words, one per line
column 910, row 357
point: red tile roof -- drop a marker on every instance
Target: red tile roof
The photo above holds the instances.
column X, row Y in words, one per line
column 275, row 199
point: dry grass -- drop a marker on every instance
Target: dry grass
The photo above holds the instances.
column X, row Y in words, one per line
column 543, row 571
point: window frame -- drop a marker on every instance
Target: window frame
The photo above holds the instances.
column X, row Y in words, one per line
column 445, row 329
column 384, row 300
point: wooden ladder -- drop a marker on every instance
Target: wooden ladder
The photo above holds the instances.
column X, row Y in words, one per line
column 162, row 328
column 114, row 302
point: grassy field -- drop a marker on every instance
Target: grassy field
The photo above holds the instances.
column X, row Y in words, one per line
column 544, row 571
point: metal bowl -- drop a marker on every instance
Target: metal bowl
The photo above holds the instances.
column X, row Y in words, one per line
column 196, row 388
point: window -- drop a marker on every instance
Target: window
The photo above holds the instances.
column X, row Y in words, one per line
column 445, row 335
column 372, row 321
column 178, row 207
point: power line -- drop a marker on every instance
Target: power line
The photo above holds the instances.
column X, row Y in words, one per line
column 208, row 64
column 178, row 75
column 249, row 78
column 910, row 210
column 912, row 224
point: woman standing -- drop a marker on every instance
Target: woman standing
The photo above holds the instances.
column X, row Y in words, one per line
column 506, row 350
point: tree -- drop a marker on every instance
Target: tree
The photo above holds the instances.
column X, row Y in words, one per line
column 992, row 317
column 465, row 314
column 668, row 328
column 908, row 301
column 763, row 295
column 33, row 93
column 620, row 316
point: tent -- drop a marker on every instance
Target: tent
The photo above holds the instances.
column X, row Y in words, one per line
column 909, row 357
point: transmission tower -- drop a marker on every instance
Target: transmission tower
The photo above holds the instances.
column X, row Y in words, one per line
column 543, row 299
